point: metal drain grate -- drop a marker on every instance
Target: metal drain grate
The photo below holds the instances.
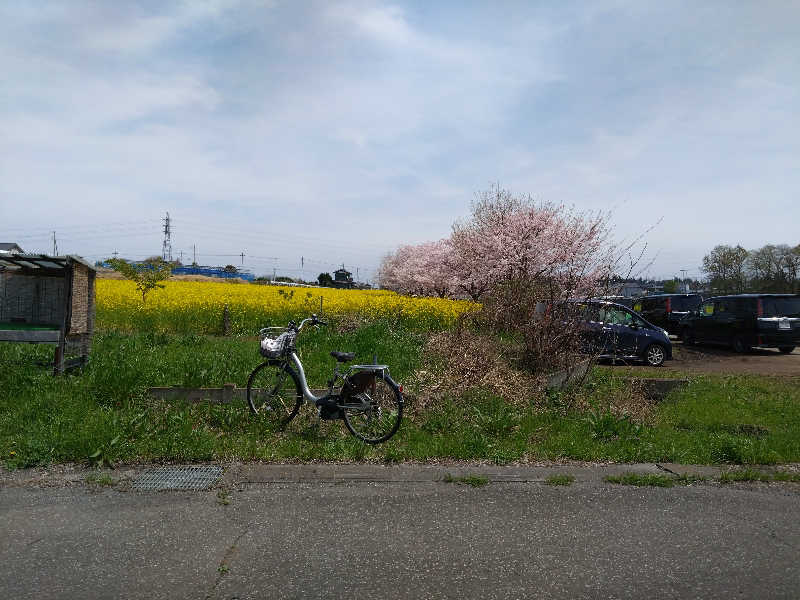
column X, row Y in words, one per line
column 178, row 478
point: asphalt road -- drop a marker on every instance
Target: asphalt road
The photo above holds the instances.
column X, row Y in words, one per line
column 412, row 539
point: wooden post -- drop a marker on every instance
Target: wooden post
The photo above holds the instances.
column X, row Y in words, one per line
column 58, row 356
column 226, row 321
column 58, row 359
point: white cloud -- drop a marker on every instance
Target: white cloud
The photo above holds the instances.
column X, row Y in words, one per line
column 373, row 123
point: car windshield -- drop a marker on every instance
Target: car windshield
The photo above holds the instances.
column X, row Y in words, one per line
column 781, row 307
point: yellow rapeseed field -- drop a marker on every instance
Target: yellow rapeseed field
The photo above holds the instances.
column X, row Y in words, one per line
column 198, row 306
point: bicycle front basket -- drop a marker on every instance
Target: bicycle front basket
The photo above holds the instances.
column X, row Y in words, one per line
column 275, row 347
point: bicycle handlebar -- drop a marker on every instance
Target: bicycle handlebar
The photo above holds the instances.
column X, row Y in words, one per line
column 313, row 319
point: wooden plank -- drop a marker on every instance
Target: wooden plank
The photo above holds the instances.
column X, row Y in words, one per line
column 41, row 336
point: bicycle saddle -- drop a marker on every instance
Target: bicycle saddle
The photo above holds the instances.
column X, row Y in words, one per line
column 343, row 356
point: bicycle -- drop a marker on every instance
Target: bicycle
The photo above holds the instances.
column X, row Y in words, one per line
column 368, row 401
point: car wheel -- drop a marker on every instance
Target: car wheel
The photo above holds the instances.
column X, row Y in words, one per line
column 740, row 346
column 655, row 355
column 786, row 349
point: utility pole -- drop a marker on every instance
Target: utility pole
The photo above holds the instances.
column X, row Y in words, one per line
column 194, row 254
column 242, row 257
column 685, row 285
column 115, row 253
column 273, row 273
column 55, row 245
column 166, row 248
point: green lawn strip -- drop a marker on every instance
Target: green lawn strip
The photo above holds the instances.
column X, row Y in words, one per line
column 655, row 480
column 106, row 414
column 726, row 477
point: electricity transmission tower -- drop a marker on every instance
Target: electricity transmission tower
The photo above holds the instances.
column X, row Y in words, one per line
column 166, row 249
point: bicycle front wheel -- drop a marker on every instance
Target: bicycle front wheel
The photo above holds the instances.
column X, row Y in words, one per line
column 274, row 393
column 374, row 413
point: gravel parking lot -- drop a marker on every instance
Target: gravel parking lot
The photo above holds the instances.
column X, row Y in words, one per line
column 711, row 359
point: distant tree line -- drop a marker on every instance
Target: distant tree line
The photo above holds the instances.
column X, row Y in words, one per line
column 772, row 268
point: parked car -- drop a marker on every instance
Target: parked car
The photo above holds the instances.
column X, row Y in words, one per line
column 667, row 310
column 613, row 331
column 746, row 321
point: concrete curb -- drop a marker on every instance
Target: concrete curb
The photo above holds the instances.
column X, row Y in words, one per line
column 264, row 474
column 254, row 474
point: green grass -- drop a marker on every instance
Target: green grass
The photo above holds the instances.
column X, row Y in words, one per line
column 560, row 480
column 99, row 479
column 732, row 476
column 471, row 480
column 103, row 416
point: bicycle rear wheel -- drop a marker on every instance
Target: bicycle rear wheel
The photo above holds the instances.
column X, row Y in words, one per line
column 374, row 411
column 274, row 393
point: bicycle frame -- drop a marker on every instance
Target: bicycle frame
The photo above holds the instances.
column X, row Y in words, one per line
column 308, row 395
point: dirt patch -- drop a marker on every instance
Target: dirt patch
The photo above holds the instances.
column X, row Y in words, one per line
column 710, row 359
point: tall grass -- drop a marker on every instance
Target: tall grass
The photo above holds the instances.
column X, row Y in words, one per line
column 104, row 413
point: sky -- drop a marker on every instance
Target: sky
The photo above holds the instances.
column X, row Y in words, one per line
column 336, row 131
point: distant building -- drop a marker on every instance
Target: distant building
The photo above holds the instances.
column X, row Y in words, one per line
column 342, row 278
column 10, row 248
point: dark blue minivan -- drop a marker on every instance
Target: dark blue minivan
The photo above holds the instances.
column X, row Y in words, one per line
column 613, row 331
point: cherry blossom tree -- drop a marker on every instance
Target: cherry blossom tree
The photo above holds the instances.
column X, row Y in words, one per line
column 522, row 259
column 423, row 269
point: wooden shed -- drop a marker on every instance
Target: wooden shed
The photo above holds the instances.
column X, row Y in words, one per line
column 48, row 300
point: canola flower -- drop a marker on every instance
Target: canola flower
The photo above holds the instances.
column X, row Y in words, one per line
column 197, row 306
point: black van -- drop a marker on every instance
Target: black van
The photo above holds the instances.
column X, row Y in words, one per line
column 667, row 310
column 746, row 321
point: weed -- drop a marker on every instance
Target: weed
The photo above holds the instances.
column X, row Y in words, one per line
column 641, row 480
column 223, row 569
column 560, row 480
column 471, row 480
column 604, row 425
column 101, row 479
column 223, row 497
column 102, row 456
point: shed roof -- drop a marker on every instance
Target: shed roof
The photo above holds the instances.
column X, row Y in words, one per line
column 9, row 247
column 40, row 261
